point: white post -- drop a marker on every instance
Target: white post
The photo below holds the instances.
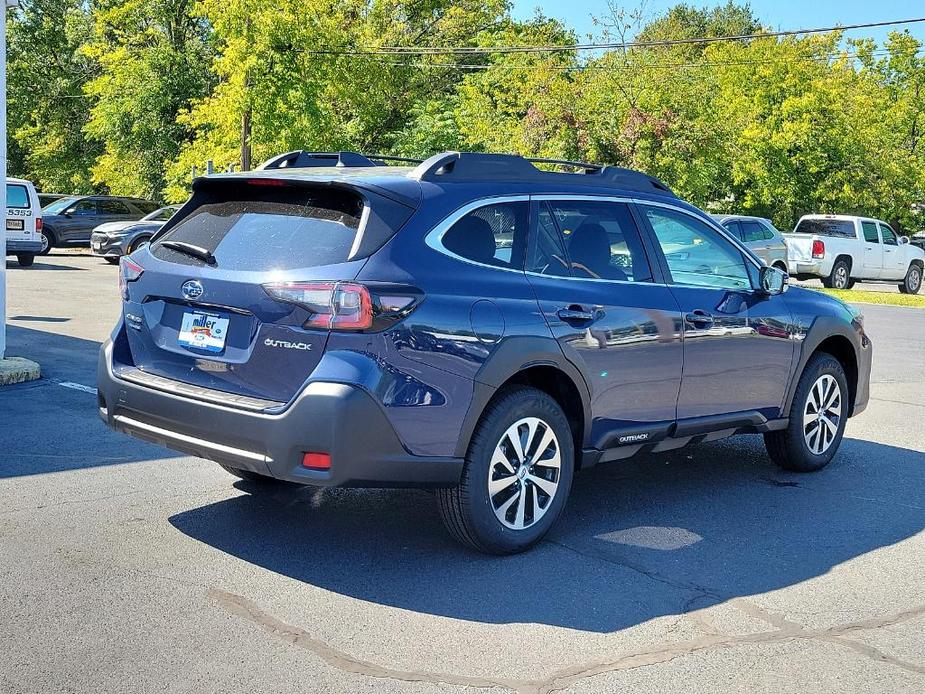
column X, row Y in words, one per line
column 8, row 3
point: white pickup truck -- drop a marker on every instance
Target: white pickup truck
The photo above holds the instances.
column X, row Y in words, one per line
column 841, row 250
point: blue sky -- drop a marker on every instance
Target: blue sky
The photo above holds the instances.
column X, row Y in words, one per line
column 779, row 14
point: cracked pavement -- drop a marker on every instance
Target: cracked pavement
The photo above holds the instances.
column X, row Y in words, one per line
column 126, row 568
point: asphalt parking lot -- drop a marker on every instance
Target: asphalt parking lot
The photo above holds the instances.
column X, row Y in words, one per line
column 127, row 568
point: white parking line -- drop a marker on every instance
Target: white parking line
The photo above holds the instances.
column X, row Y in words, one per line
column 78, row 386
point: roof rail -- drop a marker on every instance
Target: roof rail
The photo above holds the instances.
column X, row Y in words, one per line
column 386, row 157
column 301, row 159
column 474, row 166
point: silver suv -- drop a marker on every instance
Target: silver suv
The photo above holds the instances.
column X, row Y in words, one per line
column 760, row 235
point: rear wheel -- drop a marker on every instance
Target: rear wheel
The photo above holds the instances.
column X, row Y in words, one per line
column 913, row 281
column 818, row 416
column 840, row 278
column 517, row 475
column 25, row 259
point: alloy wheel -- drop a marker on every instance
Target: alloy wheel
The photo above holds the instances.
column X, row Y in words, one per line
column 915, row 279
column 524, row 473
column 841, row 277
column 822, row 414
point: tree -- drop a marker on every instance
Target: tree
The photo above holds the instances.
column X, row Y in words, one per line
column 154, row 59
column 47, row 107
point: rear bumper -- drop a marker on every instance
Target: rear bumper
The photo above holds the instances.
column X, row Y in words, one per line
column 335, row 418
column 13, row 246
column 810, row 268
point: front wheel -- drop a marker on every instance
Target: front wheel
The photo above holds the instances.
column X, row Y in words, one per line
column 517, row 475
column 913, row 281
column 818, row 416
column 25, row 259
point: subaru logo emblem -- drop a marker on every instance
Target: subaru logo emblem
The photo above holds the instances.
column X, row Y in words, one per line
column 191, row 289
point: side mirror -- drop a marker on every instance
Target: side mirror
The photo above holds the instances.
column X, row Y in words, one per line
column 773, row 281
column 68, row 212
column 903, row 240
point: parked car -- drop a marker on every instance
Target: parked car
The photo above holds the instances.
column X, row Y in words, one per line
column 759, row 235
column 842, row 250
column 70, row 221
column 23, row 221
column 918, row 240
column 112, row 240
column 46, row 199
column 473, row 324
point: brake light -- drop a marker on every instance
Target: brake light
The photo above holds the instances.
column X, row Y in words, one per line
column 818, row 249
column 38, row 224
column 333, row 305
column 266, row 182
column 129, row 271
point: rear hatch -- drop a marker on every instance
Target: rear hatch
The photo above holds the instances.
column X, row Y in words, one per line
column 212, row 305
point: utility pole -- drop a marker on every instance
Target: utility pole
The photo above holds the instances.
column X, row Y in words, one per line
column 246, row 116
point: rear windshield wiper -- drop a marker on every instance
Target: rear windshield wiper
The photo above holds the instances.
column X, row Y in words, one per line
column 199, row 252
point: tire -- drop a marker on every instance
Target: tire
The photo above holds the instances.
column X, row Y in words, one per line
column 472, row 514
column 798, row 448
column 913, row 281
column 48, row 242
column 840, row 278
column 25, row 259
column 111, row 260
column 138, row 243
column 247, row 474
column 780, row 266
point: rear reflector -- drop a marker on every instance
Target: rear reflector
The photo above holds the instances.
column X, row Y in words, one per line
column 818, row 249
column 316, row 461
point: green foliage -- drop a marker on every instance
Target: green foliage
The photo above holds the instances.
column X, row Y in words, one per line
column 46, row 106
column 154, row 60
column 129, row 95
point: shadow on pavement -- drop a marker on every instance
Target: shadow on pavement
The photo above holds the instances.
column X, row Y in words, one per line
column 656, row 537
column 41, row 265
column 45, row 427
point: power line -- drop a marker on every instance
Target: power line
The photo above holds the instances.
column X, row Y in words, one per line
column 634, row 66
column 481, row 50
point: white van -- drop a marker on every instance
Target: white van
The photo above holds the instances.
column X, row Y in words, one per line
column 23, row 221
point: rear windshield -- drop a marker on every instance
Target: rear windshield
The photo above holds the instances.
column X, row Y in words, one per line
column 269, row 230
column 826, row 227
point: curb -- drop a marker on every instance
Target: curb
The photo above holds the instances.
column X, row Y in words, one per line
column 18, row 370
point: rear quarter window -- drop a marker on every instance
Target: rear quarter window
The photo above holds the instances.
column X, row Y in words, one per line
column 826, row 227
column 269, row 230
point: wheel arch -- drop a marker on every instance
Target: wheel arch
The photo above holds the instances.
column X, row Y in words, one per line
column 830, row 337
column 537, row 362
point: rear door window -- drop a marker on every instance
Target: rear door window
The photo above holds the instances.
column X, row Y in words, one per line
column 113, row 207
column 734, row 229
column 261, row 230
column 870, row 232
column 17, row 196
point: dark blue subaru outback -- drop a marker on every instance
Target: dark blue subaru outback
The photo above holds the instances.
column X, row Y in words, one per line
column 474, row 324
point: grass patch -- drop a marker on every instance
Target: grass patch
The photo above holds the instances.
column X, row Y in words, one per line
column 859, row 296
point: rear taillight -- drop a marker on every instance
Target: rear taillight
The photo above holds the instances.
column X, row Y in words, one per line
column 38, row 224
column 348, row 305
column 818, row 249
column 332, row 305
column 129, row 271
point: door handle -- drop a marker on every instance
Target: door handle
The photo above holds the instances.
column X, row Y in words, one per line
column 577, row 314
column 699, row 317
